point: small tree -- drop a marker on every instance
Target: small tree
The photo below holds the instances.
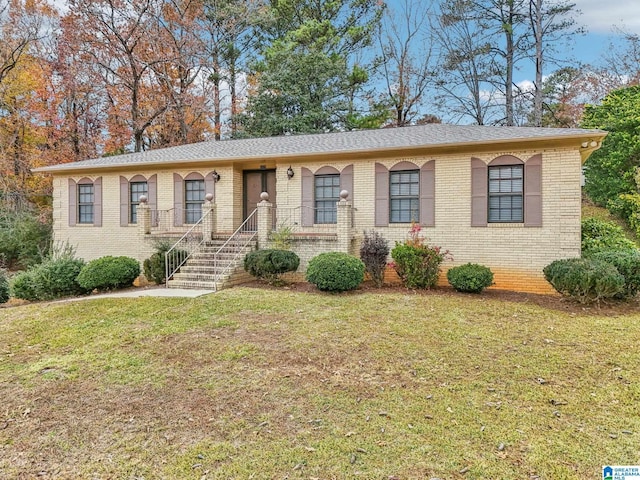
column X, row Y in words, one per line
column 610, row 170
column 373, row 253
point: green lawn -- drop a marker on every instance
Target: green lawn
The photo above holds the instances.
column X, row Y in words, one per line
column 263, row 384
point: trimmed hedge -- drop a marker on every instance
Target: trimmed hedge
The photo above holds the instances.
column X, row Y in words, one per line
column 4, row 287
column 109, row 273
column 471, row 278
column 52, row 279
column 269, row 264
column 335, row 272
column 628, row 265
column 585, row 279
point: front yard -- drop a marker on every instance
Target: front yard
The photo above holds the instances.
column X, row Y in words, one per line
column 253, row 383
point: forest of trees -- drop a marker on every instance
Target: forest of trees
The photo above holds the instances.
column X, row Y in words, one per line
column 86, row 78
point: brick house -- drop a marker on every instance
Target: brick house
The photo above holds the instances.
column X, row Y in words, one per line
column 505, row 197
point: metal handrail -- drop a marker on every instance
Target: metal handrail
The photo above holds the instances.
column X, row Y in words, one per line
column 175, row 253
column 245, row 232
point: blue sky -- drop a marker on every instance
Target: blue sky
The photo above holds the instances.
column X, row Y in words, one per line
column 599, row 18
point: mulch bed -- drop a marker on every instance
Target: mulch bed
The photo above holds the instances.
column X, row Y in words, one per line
column 553, row 302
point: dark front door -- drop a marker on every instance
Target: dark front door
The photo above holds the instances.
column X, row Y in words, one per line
column 256, row 182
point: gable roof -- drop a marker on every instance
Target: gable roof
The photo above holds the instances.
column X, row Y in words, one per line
column 353, row 142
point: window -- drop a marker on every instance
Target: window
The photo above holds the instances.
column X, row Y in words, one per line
column 327, row 194
column 506, row 193
column 404, row 190
column 136, row 190
column 85, row 203
column 194, row 197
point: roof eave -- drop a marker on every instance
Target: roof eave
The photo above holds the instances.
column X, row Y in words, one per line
column 587, row 142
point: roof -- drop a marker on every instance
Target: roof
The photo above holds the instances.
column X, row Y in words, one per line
column 422, row 136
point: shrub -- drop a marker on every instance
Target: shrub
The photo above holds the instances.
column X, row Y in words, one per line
column 373, row 253
column 58, row 278
column 109, row 273
column 22, row 286
column 584, row 279
column 282, row 237
column 628, row 265
column 269, row 264
column 416, row 263
column 4, row 287
column 627, row 206
column 471, row 277
column 54, row 278
column 154, row 266
column 24, row 238
column 335, row 272
column 598, row 235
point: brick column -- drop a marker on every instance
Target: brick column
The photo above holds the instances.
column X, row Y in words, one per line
column 345, row 223
column 265, row 220
column 144, row 216
column 209, row 214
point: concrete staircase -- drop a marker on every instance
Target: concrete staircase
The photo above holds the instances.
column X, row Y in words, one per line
column 204, row 268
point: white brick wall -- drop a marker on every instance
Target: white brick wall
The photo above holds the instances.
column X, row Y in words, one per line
column 515, row 253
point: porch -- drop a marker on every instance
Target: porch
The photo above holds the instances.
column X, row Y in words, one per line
column 204, row 257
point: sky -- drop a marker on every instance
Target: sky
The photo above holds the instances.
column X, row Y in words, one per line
column 599, row 18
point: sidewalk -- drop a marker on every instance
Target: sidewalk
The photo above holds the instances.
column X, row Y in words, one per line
column 153, row 292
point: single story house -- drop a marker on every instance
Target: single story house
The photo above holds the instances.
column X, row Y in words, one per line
column 505, row 197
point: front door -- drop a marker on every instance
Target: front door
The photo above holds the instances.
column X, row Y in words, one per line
column 256, row 182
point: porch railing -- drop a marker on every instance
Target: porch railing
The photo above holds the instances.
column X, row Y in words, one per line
column 162, row 220
column 184, row 248
column 227, row 255
column 301, row 219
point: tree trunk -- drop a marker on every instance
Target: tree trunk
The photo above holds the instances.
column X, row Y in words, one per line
column 217, row 115
column 536, row 21
column 509, row 57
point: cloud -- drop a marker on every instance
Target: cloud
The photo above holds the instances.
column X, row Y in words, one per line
column 600, row 16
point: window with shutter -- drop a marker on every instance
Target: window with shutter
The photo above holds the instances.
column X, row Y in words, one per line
column 404, row 196
column 85, row 203
column 194, row 194
column 506, row 194
column 327, row 194
column 136, row 190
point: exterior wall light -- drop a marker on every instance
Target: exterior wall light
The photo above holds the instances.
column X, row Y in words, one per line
column 290, row 172
column 216, row 176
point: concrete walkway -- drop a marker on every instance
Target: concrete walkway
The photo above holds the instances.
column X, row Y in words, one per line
column 153, row 292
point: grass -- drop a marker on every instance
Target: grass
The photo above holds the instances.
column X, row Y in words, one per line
column 253, row 383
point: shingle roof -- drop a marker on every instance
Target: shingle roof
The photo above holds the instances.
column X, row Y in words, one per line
column 432, row 135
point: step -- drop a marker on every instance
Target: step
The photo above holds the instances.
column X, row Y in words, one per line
column 210, row 262
column 191, row 285
column 203, row 268
column 199, row 277
column 196, row 269
column 215, row 248
column 225, row 254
